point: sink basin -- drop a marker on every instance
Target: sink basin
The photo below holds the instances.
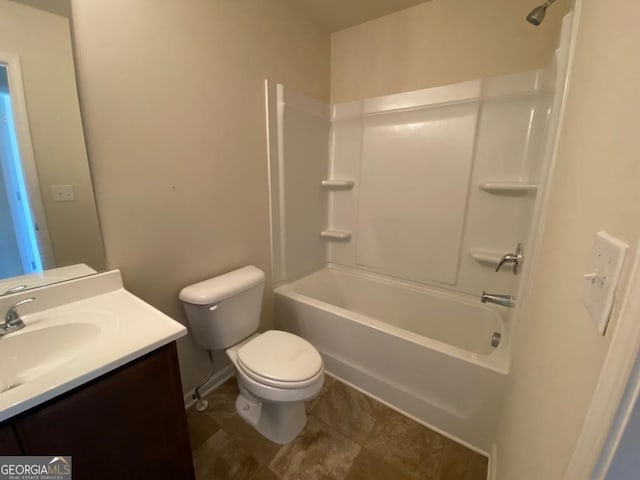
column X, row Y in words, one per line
column 48, row 342
column 75, row 332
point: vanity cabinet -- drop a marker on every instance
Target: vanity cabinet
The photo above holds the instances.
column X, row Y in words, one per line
column 9, row 442
column 127, row 424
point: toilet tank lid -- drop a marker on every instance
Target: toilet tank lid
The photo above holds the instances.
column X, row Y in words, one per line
column 218, row 288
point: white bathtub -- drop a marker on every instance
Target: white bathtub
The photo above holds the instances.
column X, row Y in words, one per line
column 423, row 351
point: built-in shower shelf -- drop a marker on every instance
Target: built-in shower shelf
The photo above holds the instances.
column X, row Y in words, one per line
column 485, row 256
column 508, row 187
column 335, row 234
column 338, row 184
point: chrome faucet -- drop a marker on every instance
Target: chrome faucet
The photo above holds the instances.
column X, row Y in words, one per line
column 12, row 320
column 16, row 289
column 504, row 300
column 514, row 258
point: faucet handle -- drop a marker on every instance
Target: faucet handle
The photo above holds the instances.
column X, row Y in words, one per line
column 12, row 313
column 514, row 258
column 16, row 289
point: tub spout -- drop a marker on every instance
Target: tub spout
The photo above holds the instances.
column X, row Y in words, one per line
column 504, row 300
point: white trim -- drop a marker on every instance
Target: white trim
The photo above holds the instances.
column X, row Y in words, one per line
column 426, row 98
column 27, row 156
column 541, row 209
column 482, row 89
column 492, row 468
column 614, row 378
column 272, row 178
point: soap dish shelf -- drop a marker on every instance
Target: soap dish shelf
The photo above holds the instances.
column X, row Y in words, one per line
column 508, row 187
column 336, row 235
column 338, row 184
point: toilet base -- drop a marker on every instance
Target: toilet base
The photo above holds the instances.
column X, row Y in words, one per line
column 279, row 422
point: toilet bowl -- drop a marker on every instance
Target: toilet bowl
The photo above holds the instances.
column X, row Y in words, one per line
column 276, row 371
column 272, row 393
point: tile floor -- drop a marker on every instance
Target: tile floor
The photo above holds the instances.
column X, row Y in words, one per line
column 348, row 436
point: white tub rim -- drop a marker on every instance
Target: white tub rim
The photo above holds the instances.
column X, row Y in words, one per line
column 497, row 360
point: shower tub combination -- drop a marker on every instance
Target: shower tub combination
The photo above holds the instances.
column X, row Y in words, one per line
column 425, row 352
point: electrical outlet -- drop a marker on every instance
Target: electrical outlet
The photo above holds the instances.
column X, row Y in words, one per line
column 62, row 193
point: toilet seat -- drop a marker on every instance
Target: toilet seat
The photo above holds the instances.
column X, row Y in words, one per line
column 281, row 360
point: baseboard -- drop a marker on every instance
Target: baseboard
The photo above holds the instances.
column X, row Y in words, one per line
column 218, row 379
column 492, row 469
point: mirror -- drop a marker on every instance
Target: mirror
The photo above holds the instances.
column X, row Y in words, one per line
column 48, row 217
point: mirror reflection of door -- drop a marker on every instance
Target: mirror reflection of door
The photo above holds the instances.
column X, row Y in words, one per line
column 21, row 245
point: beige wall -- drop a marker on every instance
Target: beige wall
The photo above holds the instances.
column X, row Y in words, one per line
column 43, row 42
column 557, row 353
column 173, row 103
column 438, row 43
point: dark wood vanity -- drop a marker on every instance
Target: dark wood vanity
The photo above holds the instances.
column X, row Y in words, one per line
column 128, row 424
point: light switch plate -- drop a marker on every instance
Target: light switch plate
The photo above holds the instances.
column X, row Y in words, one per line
column 601, row 280
column 62, row 193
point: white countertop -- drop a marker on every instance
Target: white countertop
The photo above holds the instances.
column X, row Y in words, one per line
column 47, row 277
column 116, row 327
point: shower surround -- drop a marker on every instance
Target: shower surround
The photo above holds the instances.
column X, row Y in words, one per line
column 388, row 218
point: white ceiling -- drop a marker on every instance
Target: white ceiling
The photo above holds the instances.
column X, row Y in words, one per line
column 59, row 7
column 333, row 15
column 337, row 15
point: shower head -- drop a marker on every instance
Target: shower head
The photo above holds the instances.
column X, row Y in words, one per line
column 536, row 15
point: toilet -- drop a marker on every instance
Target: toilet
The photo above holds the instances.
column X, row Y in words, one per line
column 276, row 371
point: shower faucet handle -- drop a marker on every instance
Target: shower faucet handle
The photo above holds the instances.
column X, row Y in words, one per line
column 514, row 258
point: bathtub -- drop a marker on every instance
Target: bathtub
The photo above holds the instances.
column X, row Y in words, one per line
column 423, row 351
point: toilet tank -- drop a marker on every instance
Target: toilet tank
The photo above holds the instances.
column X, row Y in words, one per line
column 224, row 310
